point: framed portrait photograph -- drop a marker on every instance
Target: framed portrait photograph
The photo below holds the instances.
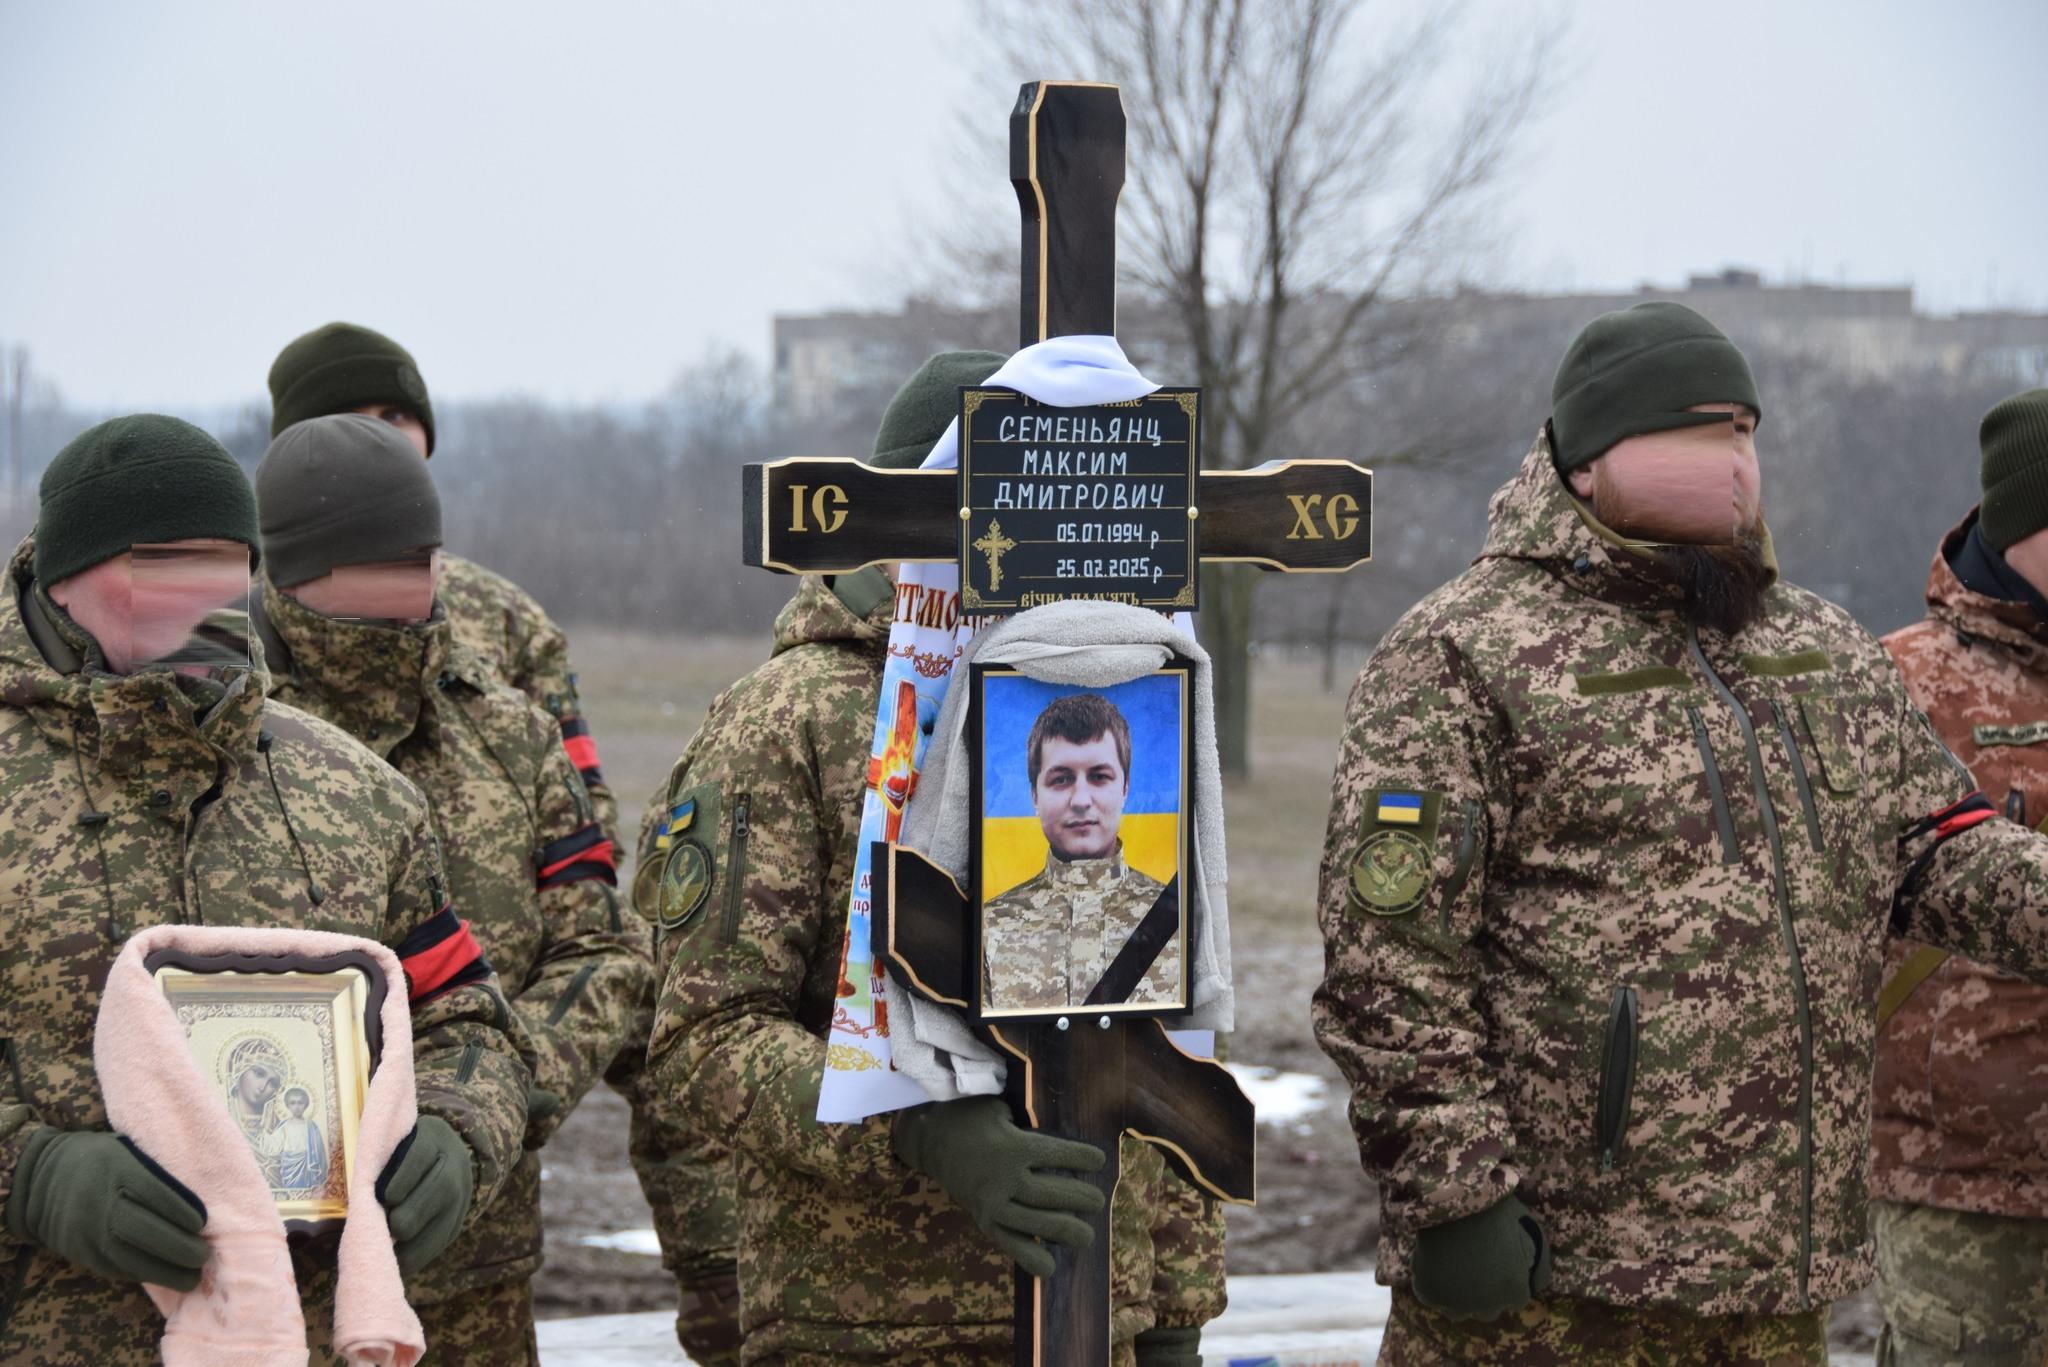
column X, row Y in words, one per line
column 1081, row 835
column 289, row 1045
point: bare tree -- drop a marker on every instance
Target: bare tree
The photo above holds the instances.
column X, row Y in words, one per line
column 17, row 387
column 1296, row 167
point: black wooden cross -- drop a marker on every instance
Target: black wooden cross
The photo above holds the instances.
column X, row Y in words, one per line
column 1086, row 1076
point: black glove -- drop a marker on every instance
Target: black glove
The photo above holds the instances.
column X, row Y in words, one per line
column 1484, row 1265
column 425, row 1190
column 96, row 1200
column 1170, row 1346
column 1007, row 1178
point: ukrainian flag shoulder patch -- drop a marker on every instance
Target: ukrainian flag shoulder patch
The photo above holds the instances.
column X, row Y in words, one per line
column 1398, row 809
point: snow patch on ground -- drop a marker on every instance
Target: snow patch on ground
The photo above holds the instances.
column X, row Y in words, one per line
column 1281, row 1098
column 625, row 1241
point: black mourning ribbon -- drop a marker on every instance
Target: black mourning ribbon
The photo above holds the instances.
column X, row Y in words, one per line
column 1134, row 960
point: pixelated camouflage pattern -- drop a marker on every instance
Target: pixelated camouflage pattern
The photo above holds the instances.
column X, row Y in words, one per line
column 844, row 1253
column 522, row 647
column 1960, row 1288
column 1961, row 1109
column 71, row 893
column 489, row 1326
column 576, row 963
column 1555, row 699
column 1565, row 1331
column 685, row 1173
column 1048, row 941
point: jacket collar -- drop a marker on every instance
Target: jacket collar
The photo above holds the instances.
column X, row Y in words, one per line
column 377, row 681
column 1974, row 616
column 1535, row 518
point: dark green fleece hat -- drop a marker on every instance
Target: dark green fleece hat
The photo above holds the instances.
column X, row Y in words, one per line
column 136, row 481
column 929, row 400
column 2014, row 440
column 1636, row 371
column 339, row 367
column 342, row 490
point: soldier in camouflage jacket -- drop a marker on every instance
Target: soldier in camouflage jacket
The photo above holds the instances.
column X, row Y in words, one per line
column 525, row 858
column 845, row 1253
column 139, row 800
column 1960, row 1125
column 1604, row 900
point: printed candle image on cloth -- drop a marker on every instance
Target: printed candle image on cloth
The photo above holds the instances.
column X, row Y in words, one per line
column 1083, row 794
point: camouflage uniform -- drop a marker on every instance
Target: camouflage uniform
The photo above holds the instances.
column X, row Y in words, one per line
column 118, row 811
column 844, row 1252
column 1629, row 973
column 533, row 871
column 1566, row 1331
column 1960, row 1125
column 1037, row 952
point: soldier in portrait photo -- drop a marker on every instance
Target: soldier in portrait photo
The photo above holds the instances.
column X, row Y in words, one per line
column 1047, row 942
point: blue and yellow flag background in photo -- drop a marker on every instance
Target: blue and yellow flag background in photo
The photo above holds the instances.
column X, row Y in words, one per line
column 1013, row 848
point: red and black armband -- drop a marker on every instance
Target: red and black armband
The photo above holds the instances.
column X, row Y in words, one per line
column 1944, row 826
column 587, row 853
column 582, row 748
column 441, row 956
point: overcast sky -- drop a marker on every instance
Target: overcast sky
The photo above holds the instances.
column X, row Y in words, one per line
column 576, row 201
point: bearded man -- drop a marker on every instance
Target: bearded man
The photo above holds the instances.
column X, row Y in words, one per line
column 1620, row 825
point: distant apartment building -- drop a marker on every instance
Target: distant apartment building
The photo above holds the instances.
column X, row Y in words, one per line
column 1870, row 330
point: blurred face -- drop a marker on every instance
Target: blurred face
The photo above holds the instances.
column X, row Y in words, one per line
column 404, row 419
column 143, row 605
column 1688, row 486
column 297, row 1104
column 383, row 591
column 1080, row 796
column 2029, row 556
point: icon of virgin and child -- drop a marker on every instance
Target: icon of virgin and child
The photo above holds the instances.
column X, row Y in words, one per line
column 272, row 1114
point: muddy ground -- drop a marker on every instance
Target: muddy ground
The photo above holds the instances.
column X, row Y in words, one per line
column 1316, row 1211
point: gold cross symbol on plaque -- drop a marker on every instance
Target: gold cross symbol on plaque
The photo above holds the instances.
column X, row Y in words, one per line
column 995, row 545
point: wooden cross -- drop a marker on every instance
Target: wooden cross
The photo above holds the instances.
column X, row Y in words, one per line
column 1085, row 1076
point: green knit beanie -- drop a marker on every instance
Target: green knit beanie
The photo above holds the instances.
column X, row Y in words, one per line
column 928, row 401
column 342, row 490
column 1636, row 371
column 340, row 367
column 2014, row 439
column 134, row 481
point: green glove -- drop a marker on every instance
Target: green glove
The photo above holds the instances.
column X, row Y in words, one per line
column 1484, row 1265
column 1006, row 1177
column 95, row 1199
column 1171, row 1346
column 425, row 1190
column 542, row 1109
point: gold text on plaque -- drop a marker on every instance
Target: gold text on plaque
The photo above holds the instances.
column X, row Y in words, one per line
column 828, row 507
column 1340, row 515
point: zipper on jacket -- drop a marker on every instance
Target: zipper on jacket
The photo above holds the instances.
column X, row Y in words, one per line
column 465, row 1068
column 735, row 871
column 1796, row 965
column 1799, row 777
column 1723, row 822
column 1468, row 848
column 1617, row 1077
column 569, row 998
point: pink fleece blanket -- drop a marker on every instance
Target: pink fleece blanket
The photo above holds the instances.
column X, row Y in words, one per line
column 245, row 1312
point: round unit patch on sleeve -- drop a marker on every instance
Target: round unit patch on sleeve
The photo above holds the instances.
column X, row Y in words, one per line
column 685, row 883
column 1390, row 872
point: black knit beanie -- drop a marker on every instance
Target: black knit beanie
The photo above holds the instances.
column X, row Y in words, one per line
column 342, row 490
column 340, row 367
column 1636, row 371
column 136, row 481
column 928, row 401
column 2014, row 440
